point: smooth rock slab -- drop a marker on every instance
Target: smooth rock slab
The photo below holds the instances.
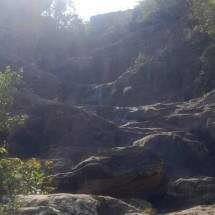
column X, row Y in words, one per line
column 121, row 172
column 69, row 204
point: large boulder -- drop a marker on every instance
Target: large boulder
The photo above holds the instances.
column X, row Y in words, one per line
column 121, row 172
column 183, row 154
column 69, row 204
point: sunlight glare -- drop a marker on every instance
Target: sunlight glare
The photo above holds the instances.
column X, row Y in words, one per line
column 88, row 8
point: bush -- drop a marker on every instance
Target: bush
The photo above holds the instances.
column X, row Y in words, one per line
column 20, row 177
column 16, row 176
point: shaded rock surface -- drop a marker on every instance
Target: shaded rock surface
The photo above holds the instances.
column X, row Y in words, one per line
column 56, row 131
column 135, row 87
column 191, row 191
column 182, row 153
column 122, row 172
column 68, row 204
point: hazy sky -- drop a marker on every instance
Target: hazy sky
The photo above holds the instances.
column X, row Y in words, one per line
column 88, row 8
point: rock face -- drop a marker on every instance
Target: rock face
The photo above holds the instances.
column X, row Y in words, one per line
column 127, row 152
column 181, row 134
column 68, row 204
column 55, row 131
column 182, row 153
column 123, row 92
column 136, row 87
column 192, row 191
column 193, row 116
column 123, row 172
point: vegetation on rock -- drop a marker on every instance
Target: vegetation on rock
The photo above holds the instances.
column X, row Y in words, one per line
column 16, row 176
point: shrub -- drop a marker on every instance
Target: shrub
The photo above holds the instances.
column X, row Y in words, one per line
column 20, row 177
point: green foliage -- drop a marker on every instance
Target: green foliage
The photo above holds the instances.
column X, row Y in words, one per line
column 16, row 176
column 20, row 177
column 9, row 82
column 204, row 13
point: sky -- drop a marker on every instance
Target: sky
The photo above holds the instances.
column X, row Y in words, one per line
column 88, row 8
